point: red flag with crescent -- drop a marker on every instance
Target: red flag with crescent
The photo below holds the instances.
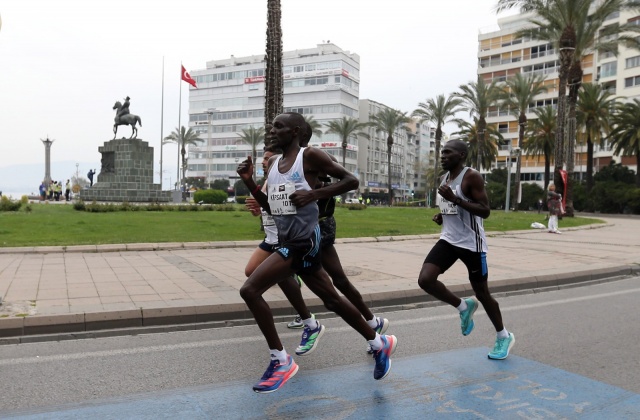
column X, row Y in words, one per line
column 187, row 78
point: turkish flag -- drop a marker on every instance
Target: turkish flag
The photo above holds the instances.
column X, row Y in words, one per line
column 187, row 78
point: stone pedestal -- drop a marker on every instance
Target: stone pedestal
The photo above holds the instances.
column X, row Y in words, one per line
column 126, row 174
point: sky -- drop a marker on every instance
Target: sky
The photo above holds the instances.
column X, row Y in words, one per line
column 64, row 63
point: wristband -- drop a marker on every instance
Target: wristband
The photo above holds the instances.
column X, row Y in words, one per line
column 255, row 190
column 457, row 201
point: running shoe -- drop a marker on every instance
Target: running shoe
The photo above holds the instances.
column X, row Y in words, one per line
column 502, row 347
column 297, row 323
column 381, row 328
column 466, row 316
column 309, row 340
column 383, row 356
column 276, row 375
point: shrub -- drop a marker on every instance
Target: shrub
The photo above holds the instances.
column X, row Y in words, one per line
column 79, row 205
column 241, row 199
column 531, row 193
column 6, row 204
column 210, row 196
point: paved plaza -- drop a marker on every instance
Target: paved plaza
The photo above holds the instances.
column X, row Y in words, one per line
column 97, row 289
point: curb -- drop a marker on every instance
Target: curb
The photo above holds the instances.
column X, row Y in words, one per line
column 152, row 320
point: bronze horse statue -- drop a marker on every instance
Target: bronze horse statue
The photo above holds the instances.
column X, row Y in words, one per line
column 127, row 119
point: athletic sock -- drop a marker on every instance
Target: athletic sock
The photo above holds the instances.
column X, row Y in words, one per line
column 376, row 343
column 463, row 305
column 503, row 334
column 373, row 323
column 311, row 323
column 280, row 355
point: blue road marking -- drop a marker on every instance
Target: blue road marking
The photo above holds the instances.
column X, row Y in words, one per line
column 459, row 384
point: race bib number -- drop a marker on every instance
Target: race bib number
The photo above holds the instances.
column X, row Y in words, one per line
column 447, row 207
column 279, row 200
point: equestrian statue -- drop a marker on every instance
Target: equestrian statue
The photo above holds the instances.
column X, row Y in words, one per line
column 123, row 117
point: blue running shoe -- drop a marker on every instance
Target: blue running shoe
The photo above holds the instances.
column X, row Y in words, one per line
column 276, row 375
column 309, row 340
column 383, row 356
column 466, row 316
column 502, row 347
column 381, row 328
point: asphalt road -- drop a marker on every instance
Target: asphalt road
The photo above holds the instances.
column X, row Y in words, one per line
column 590, row 331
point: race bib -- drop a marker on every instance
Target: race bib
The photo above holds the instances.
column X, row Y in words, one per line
column 279, row 200
column 447, row 207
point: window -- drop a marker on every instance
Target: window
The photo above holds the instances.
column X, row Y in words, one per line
column 609, row 69
column 632, row 62
column 632, row 81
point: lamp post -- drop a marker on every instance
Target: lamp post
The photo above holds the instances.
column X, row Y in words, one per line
column 209, row 118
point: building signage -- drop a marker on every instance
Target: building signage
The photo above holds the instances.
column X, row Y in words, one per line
column 329, row 144
column 373, row 184
column 256, row 79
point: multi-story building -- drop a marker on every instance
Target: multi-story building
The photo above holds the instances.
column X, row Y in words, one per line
column 502, row 55
column 425, row 141
column 322, row 82
column 372, row 158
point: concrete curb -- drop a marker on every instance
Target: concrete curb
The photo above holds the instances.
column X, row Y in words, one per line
column 165, row 319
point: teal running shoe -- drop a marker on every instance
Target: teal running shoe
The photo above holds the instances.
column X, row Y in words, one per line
column 309, row 340
column 502, row 347
column 466, row 316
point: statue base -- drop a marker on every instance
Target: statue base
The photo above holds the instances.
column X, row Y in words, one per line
column 126, row 174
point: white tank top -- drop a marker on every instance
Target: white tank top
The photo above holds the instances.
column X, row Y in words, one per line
column 293, row 223
column 270, row 229
column 459, row 227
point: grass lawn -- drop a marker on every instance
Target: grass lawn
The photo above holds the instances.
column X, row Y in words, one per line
column 60, row 224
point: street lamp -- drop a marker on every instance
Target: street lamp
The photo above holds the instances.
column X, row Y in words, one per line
column 209, row 117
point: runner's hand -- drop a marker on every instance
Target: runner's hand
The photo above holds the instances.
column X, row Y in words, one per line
column 437, row 218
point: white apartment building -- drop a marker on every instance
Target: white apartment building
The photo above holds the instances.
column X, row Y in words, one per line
column 321, row 81
column 372, row 158
column 501, row 55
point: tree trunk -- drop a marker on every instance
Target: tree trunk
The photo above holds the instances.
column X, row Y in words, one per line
column 522, row 122
column 344, row 162
column 389, row 146
column 547, row 169
column 637, row 167
column 482, row 130
column 589, row 163
column 575, row 80
column 273, row 64
column 567, row 49
column 436, row 178
column 183, row 152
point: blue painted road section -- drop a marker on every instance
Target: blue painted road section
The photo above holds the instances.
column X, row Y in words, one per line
column 460, row 384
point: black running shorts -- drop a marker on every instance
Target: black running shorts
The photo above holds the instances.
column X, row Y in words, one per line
column 444, row 255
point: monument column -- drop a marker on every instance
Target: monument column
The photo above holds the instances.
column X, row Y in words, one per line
column 47, row 160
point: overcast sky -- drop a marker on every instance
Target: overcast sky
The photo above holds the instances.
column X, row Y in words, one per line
column 63, row 63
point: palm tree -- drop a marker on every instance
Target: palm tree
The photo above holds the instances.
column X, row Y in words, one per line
column 518, row 92
column 388, row 120
column 541, row 138
column 253, row 137
column 273, row 64
column 573, row 27
column 477, row 97
column 345, row 128
column 183, row 137
column 593, row 112
column 316, row 127
column 484, row 152
column 625, row 135
column 437, row 111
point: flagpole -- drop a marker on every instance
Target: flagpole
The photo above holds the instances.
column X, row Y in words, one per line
column 161, row 123
column 179, row 182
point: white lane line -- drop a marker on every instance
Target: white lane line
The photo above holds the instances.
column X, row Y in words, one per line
column 257, row 338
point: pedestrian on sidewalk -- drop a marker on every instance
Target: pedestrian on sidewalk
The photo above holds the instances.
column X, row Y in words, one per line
column 292, row 203
column 463, row 207
column 554, row 203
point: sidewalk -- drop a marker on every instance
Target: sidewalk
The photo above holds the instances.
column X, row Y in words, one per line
column 89, row 290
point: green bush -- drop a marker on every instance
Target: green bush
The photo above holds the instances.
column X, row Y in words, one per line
column 210, row 197
column 531, row 193
column 241, row 199
column 353, row 206
column 497, row 194
column 6, row 204
column 79, row 205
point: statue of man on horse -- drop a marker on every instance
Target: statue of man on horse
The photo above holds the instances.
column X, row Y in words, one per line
column 123, row 117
